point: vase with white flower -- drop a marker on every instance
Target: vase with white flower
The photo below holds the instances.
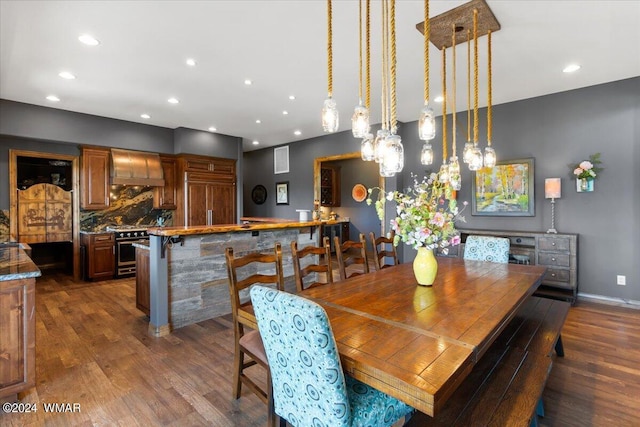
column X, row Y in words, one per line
column 425, row 220
column 586, row 173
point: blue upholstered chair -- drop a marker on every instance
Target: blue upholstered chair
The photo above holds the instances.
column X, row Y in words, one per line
column 309, row 386
column 487, row 248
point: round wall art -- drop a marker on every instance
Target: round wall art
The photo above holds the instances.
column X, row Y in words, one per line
column 259, row 194
column 359, row 192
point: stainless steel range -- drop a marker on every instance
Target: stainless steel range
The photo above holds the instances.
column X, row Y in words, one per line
column 126, row 236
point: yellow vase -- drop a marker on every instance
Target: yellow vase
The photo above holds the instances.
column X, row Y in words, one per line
column 425, row 267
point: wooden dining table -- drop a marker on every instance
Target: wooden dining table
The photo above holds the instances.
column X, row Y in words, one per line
column 419, row 343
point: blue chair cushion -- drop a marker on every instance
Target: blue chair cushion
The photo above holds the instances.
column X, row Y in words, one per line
column 487, row 248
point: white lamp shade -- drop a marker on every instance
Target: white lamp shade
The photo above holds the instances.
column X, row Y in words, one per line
column 552, row 188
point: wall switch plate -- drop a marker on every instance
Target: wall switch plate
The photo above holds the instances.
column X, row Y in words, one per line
column 621, row 280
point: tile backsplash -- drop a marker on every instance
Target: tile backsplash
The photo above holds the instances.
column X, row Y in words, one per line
column 130, row 205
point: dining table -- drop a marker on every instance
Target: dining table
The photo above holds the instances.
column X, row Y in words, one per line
column 418, row 343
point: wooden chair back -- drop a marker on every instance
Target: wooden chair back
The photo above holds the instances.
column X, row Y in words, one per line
column 383, row 248
column 322, row 267
column 349, row 253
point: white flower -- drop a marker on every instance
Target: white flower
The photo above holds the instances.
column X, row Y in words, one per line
column 390, row 196
column 586, row 165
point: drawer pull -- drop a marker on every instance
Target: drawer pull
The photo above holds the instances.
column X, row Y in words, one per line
column 553, row 259
column 553, row 274
column 553, row 243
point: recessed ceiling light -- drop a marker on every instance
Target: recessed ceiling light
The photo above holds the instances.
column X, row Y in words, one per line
column 256, row 142
column 571, row 68
column 258, row 121
column 191, row 62
column 285, row 112
column 292, row 97
column 88, row 40
column 53, row 98
column 248, row 82
column 438, row 99
column 173, row 101
column 212, row 129
column 145, row 116
column 67, row 75
column 297, row 133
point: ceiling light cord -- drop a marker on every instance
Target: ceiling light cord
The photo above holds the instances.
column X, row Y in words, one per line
column 489, row 114
column 360, row 52
column 368, row 54
column 329, row 51
column 468, row 85
column 475, row 76
column 394, row 121
column 444, row 105
column 427, row 33
column 453, row 99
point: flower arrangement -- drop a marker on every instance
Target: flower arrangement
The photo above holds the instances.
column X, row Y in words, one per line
column 426, row 214
column 587, row 169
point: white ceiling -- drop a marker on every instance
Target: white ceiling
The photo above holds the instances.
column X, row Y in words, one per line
column 281, row 46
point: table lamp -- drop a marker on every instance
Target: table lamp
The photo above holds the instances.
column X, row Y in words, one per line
column 552, row 191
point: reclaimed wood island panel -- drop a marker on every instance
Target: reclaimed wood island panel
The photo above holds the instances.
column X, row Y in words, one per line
column 187, row 271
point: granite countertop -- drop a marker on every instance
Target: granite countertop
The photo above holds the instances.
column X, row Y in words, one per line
column 15, row 264
column 226, row 228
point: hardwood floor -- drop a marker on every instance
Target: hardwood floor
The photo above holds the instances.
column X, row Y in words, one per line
column 93, row 349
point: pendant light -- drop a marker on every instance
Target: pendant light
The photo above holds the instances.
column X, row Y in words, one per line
column 330, row 116
column 360, row 120
column 489, row 152
column 475, row 162
column 427, row 121
column 367, row 148
column 443, row 176
column 468, row 146
column 455, row 179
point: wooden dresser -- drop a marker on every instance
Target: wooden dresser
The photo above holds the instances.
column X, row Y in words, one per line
column 558, row 252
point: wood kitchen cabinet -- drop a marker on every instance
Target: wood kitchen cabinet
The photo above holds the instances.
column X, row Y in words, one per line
column 329, row 185
column 165, row 197
column 100, row 258
column 207, row 194
column 143, row 293
column 18, row 342
column 94, row 178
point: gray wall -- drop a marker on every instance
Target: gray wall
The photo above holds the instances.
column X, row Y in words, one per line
column 556, row 130
column 43, row 129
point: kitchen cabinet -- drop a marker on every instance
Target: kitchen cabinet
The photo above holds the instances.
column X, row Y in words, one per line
column 45, row 214
column 329, row 185
column 341, row 230
column 18, row 342
column 100, row 255
column 94, row 178
column 165, row 197
column 207, row 195
column 143, row 293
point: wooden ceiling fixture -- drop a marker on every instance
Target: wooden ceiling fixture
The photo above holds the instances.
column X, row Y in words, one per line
column 462, row 18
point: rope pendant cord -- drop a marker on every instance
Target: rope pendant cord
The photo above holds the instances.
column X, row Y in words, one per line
column 329, row 51
column 427, row 34
column 468, row 85
column 392, row 18
column 444, row 105
column 453, row 98
column 475, row 76
column 489, row 114
column 384, row 65
column 360, row 52
column 367, row 102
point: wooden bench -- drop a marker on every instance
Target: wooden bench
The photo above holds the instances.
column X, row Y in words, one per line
column 505, row 387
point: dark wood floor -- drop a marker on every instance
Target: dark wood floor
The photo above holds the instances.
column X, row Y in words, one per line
column 93, row 349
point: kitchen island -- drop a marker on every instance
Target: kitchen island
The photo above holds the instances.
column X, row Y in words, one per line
column 187, row 266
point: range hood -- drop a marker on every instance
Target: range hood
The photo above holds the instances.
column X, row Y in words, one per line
column 130, row 167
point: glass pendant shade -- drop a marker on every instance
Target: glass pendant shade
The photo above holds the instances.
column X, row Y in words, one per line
column 466, row 153
column 489, row 157
column 426, row 155
column 393, row 156
column 378, row 146
column 443, row 175
column 360, row 122
column 475, row 161
column 367, row 151
column 330, row 116
column 427, row 124
column 455, row 180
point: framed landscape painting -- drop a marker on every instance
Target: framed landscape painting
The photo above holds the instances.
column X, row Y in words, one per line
column 504, row 190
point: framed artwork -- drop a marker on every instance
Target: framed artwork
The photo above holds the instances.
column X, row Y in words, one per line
column 259, row 194
column 504, row 190
column 282, row 193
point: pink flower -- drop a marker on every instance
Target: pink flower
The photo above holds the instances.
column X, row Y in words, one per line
column 586, row 165
column 577, row 171
column 438, row 219
column 455, row 240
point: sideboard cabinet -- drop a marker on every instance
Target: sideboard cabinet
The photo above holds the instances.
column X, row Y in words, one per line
column 558, row 252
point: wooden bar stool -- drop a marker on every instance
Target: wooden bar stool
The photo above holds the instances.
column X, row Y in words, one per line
column 301, row 272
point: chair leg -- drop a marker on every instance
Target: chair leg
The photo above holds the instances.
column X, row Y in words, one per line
column 540, row 408
column 238, row 363
column 559, row 347
column 271, row 414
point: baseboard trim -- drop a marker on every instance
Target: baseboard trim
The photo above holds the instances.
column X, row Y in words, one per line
column 629, row 303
